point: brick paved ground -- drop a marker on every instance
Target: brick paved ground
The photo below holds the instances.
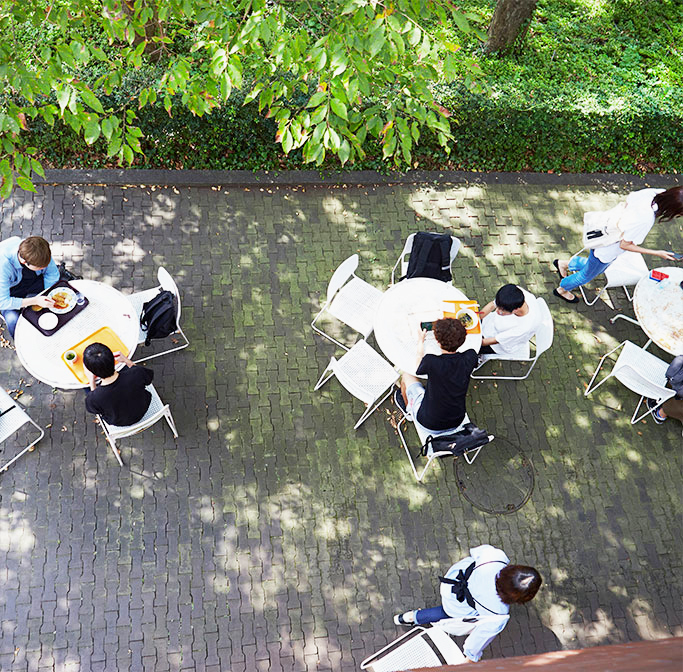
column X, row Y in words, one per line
column 271, row 535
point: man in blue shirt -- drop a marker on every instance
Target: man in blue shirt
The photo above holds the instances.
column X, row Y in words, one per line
column 26, row 269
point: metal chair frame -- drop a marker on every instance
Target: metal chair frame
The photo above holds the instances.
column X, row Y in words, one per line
column 12, row 418
column 138, row 299
column 157, row 410
column 346, row 291
column 470, row 456
column 542, row 339
column 632, row 377
column 364, row 360
column 407, row 249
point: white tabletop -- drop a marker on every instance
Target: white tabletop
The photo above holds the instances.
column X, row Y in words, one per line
column 659, row 309
column 41, row 355
column 403, row 307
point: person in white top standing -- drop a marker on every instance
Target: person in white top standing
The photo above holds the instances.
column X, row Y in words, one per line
column 480, row 587
column 509, row 322
column 642, row 209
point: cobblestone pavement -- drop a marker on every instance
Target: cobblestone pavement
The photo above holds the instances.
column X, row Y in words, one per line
column 271, row 535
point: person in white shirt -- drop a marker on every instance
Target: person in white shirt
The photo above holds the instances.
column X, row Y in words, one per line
column 509, row 322
column 482, row 587
column 642, row 209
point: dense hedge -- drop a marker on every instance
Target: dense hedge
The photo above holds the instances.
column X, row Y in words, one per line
column 491, row 134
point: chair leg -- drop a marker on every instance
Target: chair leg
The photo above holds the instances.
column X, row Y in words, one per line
column 628, row 295
column 612, row 320
column 524, row 377
column 327, row 374
column 323, row 334
column 597, row 296
column 166, row 352
column 371, row 409
column 635, row 420
column 115, row 450
column 590, row 389
column 171, row 423
column 28, row 448
column 476, row 451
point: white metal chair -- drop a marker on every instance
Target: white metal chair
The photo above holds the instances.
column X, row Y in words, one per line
column 404, row 259
column 157, row 410
column 350, row 300
column 641, row 372
column 12, row 418
column 542, row 340
column 419, row 647
column 625, row 271
column 365, row 374
column 138, row 299
column 470, row 456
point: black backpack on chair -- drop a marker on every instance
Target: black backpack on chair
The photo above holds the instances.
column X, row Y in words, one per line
column 158, row 318
column 430, row 256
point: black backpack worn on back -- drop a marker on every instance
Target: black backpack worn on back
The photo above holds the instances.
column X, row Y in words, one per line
column 159, row 316
column 675, row 375
column 430, row 256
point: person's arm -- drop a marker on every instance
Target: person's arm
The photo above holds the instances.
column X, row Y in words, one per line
column 120, row 357
column 489, row 341
column 632, row 247
column 420, row 347
column 50, row 274
column 91, row 378
column 40, row 300
column 487, row 309
column 482, row 635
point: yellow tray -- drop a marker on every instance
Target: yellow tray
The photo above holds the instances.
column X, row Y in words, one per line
column 106, row 336
column 459, row 305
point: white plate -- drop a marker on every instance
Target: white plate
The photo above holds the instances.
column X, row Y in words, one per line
column 48, row 321
column 472, row 315
column 69, row 299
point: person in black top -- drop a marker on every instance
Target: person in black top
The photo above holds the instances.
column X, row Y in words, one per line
column 121, row 398
column 440, row 409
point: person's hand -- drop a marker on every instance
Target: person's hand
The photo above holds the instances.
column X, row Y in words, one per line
column 421, row 337
column 120, row 357
column 42, row 301
column 666, row 255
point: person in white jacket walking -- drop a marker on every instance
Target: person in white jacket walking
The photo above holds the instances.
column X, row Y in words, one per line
column 481, row 586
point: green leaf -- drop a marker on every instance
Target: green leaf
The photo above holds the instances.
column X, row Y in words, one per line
column 128, row 154
column 316, row 99
column 37, row 168
column 63, row 97
column 7, row 184
column 461, row 22
column 344, row 151
column 91, row 132
column 287, row 141
column 339, row 109
column 25, row 183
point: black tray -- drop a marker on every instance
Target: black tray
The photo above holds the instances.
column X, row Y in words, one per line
column 33, row 315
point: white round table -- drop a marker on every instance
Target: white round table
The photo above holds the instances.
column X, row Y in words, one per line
column 402, row 310
column 659, row 309
column 41, row 355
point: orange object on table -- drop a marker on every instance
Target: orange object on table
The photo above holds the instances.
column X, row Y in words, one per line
column 457, row 307
column 106, row 336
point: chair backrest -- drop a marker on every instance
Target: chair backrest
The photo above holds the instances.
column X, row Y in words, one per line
column 168, row 283
column 546, row 329
column 371, row 369
column 14, row 418
column 344, row 271
column 404, row 259
column 637, row 381
column 155, row 412
column 419, row 647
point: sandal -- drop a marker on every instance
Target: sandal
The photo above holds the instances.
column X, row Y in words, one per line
column 564, row 298
column 556, row 264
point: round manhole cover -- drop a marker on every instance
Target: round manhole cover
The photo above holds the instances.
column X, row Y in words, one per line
column 499, row 481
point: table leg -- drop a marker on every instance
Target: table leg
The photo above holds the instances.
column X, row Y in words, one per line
column 624, row 317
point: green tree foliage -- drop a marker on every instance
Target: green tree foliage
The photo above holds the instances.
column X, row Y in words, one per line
column 331, row 73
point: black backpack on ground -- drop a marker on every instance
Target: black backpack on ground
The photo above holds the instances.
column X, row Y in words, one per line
column 159, row 316
column 468, row 438
column 66, row 274
column 430, row 256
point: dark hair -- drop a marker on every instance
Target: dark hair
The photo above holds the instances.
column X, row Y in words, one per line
column 669, row 203
column 517, row 584
column 99, row 359
column 35, row 251
column 509, row 298
column 449, row 333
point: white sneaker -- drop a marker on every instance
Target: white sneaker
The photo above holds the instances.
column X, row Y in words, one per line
column 407, row 619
